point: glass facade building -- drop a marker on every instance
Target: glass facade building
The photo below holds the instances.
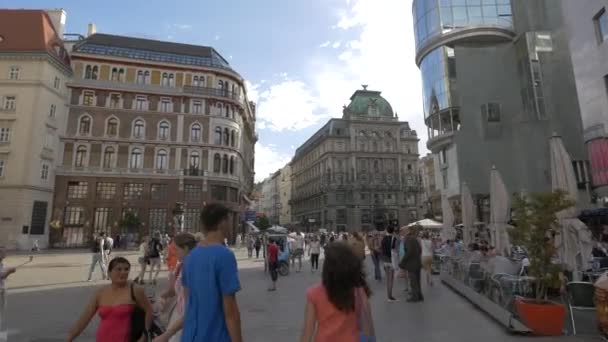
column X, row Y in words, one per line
column 436, row 17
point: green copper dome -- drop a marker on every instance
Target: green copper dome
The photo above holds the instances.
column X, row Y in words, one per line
column 369, row 103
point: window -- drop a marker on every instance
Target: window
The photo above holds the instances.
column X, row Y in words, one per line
column 74, row 216
column 225, row 164
column 233, row 139
column 218, row 192
column 10, row 103
column 84, row 127
column 133, row 191
column 195, row 132
column 44, row 172
column 158, row 219
column 117, row 74
column 165, row 80
column 13, row 73
column 220, row 84
column 139, row 129
column 233, row 195
column 166, row 105
column 91, row 72
column 444, row 176
column 109, row 156
column 197, row 107
column 136, row 158
column 491, row 112
column 198, row 81
column 78, row 190
column 601, row 23
column 52, row 111
column 88, row 98
column 5, row 135
column 112, row 127
column 443, row 156
column 232, row 165
column 226, row 137
column 81, row 156
column 56, row 83
column 38, row 221
column 192, row 192
column 217, row 163
column 159, row 192
column 106, row 191
column 218, row 136
column 143, row 77
column 192, row 220
column 163, row 130
column 161, row 160
column 2, row 167
column 194, row 160
column 103, row 220
column 115, row 101
column 220, row 109
column 141, row 102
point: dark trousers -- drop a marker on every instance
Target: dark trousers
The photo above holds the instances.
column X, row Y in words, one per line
column 415, row 290
column 376, row 261
column 274, row 270
column 257, row 253
column 314, row 260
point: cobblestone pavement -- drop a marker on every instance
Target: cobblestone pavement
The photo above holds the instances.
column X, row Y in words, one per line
column 44, row 309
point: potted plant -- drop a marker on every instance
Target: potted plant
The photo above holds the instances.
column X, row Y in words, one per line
column 535, row 223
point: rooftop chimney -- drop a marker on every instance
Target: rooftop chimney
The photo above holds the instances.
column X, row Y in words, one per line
column 92, row 29
column 58, row 19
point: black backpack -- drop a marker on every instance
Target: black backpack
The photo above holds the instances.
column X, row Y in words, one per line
column 95, row 247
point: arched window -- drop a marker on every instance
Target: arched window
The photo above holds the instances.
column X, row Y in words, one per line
column 225, row 164
column 195, row 132
column 136, row 158
column 114, row 75
column 220, row 84
column 195, row 159
column 146, row 77
column 108, row 157
column 140, row 77
column 84, row 127
column 112, row 127
column 81, row 156
column 232, row 165
column 95, row 72
column 375, row 146
column 171, row 80
column 121, row 74
column 217, row 163
column 139, row 129
column 88, row 73
column 218, row 136
column 232, row 138
column 226, row 137
column 165, row 80
column 195, row 81
column 163, row 130
column 227, row 111
column 161, row 160
column 220, row 108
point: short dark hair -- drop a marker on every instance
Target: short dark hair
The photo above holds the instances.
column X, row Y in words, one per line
column 118, row 261
column 390, row 229
column 102, row 234
column 212, row 215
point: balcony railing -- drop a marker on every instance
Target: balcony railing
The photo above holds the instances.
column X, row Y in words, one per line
column 74, row 170
column 206, row 91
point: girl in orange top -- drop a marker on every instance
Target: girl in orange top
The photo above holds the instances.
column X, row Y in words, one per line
column 338, row 307
column 171, row 256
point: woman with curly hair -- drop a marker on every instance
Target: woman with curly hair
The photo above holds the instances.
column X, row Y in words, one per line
column 338, row 309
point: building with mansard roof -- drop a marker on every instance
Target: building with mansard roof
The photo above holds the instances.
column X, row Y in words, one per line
column 357, row 172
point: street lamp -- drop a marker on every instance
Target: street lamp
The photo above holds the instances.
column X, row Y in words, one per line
column 178, row 215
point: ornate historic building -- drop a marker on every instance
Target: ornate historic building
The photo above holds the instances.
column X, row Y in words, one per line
column 34, row 69
column 359, row 171
column 151, row 124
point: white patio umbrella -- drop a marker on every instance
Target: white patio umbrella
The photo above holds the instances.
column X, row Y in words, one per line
column 447, row 232
column 500, row 208
column 468, row 213
column 574, row 241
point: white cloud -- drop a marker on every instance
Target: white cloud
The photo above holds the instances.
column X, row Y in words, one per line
column 184, row 26
column 217, row 37
column 325, row 44
column 288, row 105
column 336, row 45
column 268, row 160
column 252, row 91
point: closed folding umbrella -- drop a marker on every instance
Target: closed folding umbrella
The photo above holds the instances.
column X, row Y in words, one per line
column 468, row 213
column 447, row 232
column 500, row 208
column 574, row 241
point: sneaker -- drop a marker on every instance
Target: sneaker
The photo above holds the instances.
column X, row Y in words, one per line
column 392, row 299
column 89, row 280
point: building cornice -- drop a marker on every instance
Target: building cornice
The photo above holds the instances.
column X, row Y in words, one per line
column 37, row 55
column 29, row 83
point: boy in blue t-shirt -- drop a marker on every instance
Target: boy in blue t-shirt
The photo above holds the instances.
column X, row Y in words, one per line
column 210, row 279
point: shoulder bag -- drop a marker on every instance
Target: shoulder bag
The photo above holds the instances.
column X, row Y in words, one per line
column 138, row 320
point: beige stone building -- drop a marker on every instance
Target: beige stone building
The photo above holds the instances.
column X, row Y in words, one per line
column 430, row 200
column 151, row 124
column 285, row 214
column 34, row 69
column 357, row 172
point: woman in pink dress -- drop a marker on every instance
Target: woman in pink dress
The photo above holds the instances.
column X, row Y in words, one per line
column 114, row 304
column 184, row 243
column 338, row 310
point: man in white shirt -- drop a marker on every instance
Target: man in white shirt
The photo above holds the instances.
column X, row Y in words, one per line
column 298, row 251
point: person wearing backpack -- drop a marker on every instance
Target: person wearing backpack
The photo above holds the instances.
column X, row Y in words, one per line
column 98, row 256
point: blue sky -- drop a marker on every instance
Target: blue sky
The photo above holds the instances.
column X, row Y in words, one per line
column 302, row 59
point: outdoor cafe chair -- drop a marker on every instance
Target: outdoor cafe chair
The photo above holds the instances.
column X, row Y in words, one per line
column 580, row 297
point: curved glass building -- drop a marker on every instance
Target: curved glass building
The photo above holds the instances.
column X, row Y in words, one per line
column 497, row 84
